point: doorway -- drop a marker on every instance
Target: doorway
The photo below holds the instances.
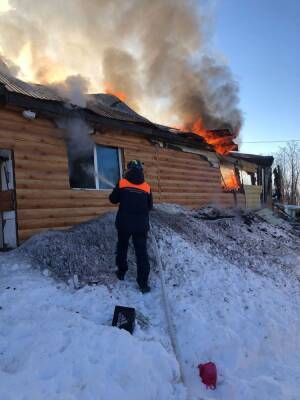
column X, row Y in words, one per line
column 8, row 222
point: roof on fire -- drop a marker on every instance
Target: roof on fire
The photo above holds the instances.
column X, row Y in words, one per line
column 106, row 105
column 100, row 110
column 35, row 91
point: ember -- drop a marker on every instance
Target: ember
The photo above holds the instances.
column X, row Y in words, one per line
column 221, row 139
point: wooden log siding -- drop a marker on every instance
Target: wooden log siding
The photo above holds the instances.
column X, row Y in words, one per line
column 45, row 200
column 189, row 180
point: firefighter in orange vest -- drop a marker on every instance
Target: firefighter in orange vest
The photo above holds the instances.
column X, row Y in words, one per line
column 135, row 201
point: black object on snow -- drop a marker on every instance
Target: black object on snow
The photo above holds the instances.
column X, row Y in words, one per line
column 124, row 318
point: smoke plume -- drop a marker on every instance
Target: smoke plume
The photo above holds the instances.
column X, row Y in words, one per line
column 155, row 53
column 73, row 88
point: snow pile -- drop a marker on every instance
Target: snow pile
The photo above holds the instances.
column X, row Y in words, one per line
column 59, row 344
column 87, row 250
column 233, row 287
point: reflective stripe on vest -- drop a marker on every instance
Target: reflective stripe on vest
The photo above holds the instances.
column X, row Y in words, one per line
column 124, row 183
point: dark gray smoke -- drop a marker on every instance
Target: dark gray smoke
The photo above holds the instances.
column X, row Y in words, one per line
column 152, row 51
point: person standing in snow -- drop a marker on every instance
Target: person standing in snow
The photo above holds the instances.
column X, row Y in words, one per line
column 135, row 201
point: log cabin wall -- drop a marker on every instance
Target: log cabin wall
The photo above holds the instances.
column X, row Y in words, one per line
column 189, row 180
column 45, row 199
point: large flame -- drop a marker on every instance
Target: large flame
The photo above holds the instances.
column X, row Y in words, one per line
column 230, row 180
column 222, row 143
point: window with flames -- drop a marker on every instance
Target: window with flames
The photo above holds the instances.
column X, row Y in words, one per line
column 230, row 177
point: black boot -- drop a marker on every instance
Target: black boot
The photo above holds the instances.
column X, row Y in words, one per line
column 145, row 289
column 120, row 275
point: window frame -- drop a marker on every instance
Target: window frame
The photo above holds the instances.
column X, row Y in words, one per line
column 120, row 160
column 96, row 165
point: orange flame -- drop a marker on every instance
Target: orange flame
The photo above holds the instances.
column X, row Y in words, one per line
column 231, row 183
column 230, row 180
column 108, row 89
column 223, row 144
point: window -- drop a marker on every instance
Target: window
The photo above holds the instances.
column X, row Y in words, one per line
column 107, row 167
column 230, row 177
column 98, row 168
column 249, row 178
column 82, row 171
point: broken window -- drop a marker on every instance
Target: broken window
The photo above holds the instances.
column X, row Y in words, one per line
column 230, row 177
column 248, row 178
column 97, row 168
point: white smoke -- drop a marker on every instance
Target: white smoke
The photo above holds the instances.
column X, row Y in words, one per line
column 155, row 52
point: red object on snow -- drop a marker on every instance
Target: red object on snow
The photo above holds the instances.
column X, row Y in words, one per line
column 208, row 374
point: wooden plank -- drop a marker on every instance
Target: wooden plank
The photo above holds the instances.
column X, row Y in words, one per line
column 192, row 171
column 187, row 167
column 26, row 133
column 121, row 142
column 191, row 190
column 183, row 158
column 167, row 168
column 184, row 177
column 42, row 175
column 171, row 155
column 41, row 184
column 148, row 153
column 37, row 203
column 125, row 138
column 183, row 183
column 9, row 114
column 53, row 222
column 41, row 155
column 42, row 165
column 61, row 194
column 32, row 147
column 59, row 160
column 59, row 212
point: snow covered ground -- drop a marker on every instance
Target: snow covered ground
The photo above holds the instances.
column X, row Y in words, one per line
column 234, row 291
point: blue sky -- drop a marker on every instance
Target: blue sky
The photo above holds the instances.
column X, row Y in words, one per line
column 261, row 42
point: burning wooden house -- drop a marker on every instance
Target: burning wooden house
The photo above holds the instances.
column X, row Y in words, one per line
column 58, row 161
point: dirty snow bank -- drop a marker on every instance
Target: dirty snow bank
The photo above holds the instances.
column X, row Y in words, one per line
column 233, row 286
column 56, row 343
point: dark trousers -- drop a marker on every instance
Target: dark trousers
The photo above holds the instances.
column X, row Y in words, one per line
column 142, row 260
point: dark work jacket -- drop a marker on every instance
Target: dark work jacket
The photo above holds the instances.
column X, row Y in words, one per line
column 135, row 198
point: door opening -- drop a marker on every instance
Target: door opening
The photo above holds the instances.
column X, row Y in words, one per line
column 8, row 225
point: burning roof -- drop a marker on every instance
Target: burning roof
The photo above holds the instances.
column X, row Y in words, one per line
column 36, row 91
column 111, row 107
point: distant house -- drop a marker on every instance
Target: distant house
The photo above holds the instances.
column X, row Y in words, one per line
column 51, row 176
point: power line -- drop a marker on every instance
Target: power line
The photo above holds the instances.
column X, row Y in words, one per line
column 274, row 141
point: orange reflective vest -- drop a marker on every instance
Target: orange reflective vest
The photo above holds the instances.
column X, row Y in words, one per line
column 124, row 183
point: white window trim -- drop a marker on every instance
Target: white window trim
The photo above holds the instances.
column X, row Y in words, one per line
column 96, row 166
column 120, row 162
